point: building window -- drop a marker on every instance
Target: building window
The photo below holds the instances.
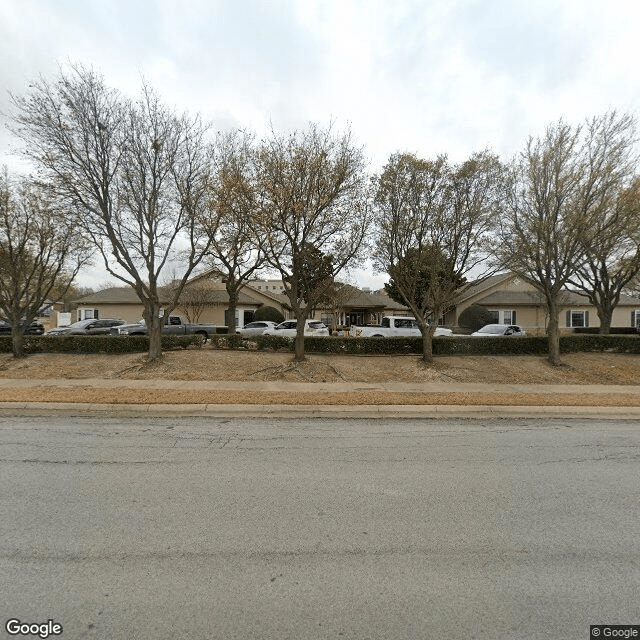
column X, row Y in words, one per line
column 501, row 316
column 635, row 318
column 577, row 318
column 88, row 314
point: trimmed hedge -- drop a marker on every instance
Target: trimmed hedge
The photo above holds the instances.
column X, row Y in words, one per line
column 612, row 330
column 98, row 344
column 458, row 345
column 598, row 342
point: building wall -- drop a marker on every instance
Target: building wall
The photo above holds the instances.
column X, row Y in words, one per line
column 271, row 286
column 133, row 312
column 513, row 284
column 128, row 312
column 533, row 318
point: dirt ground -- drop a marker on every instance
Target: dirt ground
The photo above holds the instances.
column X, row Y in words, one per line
column 210, row 364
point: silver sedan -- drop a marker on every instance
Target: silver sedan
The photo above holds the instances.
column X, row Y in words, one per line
column 255, row 328
column 500, row 330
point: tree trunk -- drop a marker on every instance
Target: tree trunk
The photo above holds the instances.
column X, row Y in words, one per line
column 554, row 336
column 605, row 316
column 154, row 330
column 299, row 346
column 17, row 338
column 427, row 345
column 232, row 291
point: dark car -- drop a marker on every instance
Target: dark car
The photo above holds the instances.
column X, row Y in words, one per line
column 34, row 329
column 91, row 327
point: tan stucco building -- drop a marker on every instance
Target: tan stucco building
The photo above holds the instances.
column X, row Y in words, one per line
column 515, row 301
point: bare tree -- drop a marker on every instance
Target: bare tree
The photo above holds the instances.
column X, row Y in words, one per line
column 542, row 223
column 194, row 300
column 230, row 218
column 335, row 299
column 313, row 200
column 41, row 252
column 568, row 201
column 611, row 204
column 137, row 172
column 434, row 219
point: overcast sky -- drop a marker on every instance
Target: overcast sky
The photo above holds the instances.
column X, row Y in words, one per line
column 425, row 76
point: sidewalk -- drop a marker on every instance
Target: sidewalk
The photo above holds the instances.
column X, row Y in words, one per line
column 118, row 397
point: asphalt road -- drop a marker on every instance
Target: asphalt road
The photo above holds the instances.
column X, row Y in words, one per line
column 416, row 529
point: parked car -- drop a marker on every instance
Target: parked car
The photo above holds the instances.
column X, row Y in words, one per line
column 172, row 325
column 394, row 326
column 89, row 327
column 500, row 330
column 288, row 329
column 256, row 328
column 34, row 329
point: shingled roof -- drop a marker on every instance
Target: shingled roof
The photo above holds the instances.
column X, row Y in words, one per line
column 126, row 295
column 534, row 298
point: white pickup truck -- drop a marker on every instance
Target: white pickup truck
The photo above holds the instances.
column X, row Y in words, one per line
column 392, row 327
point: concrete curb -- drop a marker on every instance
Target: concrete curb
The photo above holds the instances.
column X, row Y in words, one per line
column 305, row 411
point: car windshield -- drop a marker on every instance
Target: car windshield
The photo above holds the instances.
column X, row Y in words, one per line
column 494, row 329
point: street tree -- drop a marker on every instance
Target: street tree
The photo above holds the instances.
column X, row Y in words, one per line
column 229, row 220
column 611, row 239
column 41, row 252
column 564, row 197
column 136, row 172
column 540, row 229
column 434, row 220
column 314, row 212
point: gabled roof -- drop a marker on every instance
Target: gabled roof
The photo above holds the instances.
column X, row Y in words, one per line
column 482, row 284
column 126, row 295
column 280, row 298
column 112, row 295
column 535, row 298
column 370, row 300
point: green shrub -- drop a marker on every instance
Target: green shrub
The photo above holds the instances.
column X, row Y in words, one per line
column 268, row 313
column 275, row 342
column 98, row 344
column 474, row 318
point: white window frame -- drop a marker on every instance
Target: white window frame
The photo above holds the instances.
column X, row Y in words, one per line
column 585, row 318
column 636, row 317
column 85, row 313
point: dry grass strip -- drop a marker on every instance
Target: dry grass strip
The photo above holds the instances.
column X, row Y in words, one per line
column 174, row 396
